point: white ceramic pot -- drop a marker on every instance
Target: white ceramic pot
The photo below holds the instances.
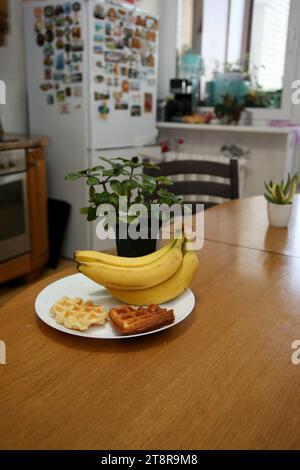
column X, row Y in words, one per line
column 279, row 214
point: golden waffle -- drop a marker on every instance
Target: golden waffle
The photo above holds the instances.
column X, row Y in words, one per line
column 129, row 320
column 75, row 314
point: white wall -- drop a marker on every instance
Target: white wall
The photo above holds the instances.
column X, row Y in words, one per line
column 12, row 71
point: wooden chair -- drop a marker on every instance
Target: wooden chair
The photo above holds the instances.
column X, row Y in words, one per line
column 228, row 190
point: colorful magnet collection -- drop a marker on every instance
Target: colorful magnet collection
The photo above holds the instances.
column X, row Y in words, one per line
column 59, row 35
column 124, row 49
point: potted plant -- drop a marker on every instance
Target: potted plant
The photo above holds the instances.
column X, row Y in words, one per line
column 280, row 199
column 121, row 177
column 229, row 111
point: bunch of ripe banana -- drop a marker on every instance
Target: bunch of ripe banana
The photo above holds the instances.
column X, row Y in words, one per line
column 151, row 279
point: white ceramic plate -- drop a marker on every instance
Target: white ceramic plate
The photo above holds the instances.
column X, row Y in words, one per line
column 78, row 285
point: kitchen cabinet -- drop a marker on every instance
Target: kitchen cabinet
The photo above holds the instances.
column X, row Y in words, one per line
column 23, row 200
column 37, row 207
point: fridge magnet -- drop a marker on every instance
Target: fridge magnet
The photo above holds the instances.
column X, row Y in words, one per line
column 67, row 8
column 135, row 110
column 140, row 21
column 99, row 27
column 109, row 69
column 113, row 56
column 135, row 85
column 103, row 110
column 116, row 69
column 64, row 108
column 124, row 71
column 118, row 96
column 127, row 32
column 68, row 20
column 59, row 10
column 68, row 92
column 150, row 36
column 77, row 77
column 38, row 26
column 48, row 49
column 98, row 49
column 49, row 35
column 99, row 12
column 49, row 11
column 109, row 81
column 121, row 13
column 148, row 102
column 76, row 32
column 138, row 33
column 98, row 38
column 125, row 86
column 67, row 79
column 121, row 105
column 116, row 82
column 60, row 96
column 48, row 61
column 98, row 78
column 98, row 64
column 76, row 6
column 58, row 76
column 56, row 86
column 133, row 73
column 40, row 39
column 59, row 44
column 77, row 67
column 78, row 91
column 49, row 25
column 101, row 96
column 50, row 99
column 76, row 57
column 135, row 43
column 112, row 14
column 60, row 61
column 60, row 33
column 151, row 23
column 108, row 29
column 68, row 48
column 117, row 30
column 38, row 12
column 46, row 86
column 48, row 74
column 77, row 45
column 59, row 21
column 77, row 106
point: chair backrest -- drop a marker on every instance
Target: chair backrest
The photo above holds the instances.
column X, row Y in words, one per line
column 228, row 190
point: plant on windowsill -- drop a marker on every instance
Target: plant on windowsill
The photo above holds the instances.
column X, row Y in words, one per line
column 124, row 177
column 280, row 200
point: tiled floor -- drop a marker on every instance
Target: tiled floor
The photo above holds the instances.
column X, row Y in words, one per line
column 12, row 288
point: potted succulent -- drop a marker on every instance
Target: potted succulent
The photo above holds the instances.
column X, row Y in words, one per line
column 280, row 199
column 117, row 177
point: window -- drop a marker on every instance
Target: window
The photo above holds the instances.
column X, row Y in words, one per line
column 242, row 44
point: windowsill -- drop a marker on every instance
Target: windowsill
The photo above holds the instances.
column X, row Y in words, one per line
column 223, row 128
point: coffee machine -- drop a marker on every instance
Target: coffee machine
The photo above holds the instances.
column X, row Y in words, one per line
column 186, row 96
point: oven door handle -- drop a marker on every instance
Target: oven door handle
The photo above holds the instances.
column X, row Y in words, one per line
column 11, row 178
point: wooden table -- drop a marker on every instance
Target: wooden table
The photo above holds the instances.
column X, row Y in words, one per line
column 223, row 379
column 244, row 222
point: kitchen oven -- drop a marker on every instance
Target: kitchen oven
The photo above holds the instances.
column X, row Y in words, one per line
column 14, row 229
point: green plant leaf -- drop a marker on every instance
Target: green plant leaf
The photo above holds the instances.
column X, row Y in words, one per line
column 97, row 168
column 92, row 180
column 116, row 187
column 73, row 176
column 84, row 210
column 114, row 200
column 101, row 198
column 92, row 214
column 151, row 166
column 164, row 180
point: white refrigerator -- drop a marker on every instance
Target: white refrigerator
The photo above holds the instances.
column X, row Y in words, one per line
column 92, row 89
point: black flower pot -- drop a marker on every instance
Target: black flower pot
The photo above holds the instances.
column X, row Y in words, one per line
column 134, row 248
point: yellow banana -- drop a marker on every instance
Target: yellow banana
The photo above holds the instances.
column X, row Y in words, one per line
column 167, row 290
column 106, row 258
column 136, row 277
